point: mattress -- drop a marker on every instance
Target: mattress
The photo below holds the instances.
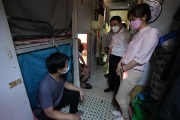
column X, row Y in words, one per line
column 38, row 40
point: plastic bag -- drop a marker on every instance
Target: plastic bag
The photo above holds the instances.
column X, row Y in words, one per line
column 138, row 113
column 142, row 106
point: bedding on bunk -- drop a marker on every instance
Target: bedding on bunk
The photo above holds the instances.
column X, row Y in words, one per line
column 38, row 40
column 57, row 13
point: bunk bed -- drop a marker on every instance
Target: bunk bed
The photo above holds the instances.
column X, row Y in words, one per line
column 32, row 50
column 39, row 28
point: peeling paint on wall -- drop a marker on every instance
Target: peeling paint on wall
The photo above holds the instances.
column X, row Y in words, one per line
column 15, row 83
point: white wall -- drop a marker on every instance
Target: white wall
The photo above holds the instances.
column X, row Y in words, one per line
column 14, row 103
column 84, row 17
column 165, row 22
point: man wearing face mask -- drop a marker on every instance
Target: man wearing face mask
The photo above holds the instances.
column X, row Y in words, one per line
column 120, row 40
column 54, row 92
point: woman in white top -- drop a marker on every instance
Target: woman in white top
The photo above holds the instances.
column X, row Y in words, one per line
column 134, row 60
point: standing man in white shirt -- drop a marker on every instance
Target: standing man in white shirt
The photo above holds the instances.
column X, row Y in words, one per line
column 108, row 42
column 120, row 40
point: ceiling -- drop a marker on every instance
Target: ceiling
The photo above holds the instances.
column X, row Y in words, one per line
column 117, row 4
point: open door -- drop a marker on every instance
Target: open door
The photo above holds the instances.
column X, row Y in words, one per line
column 83, row 38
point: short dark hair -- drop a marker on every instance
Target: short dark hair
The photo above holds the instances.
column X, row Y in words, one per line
column 140, row 10
column 81, row 48
column 56, row 61
column 118, row 18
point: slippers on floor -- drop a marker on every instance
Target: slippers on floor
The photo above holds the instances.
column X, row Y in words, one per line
column 87, row 86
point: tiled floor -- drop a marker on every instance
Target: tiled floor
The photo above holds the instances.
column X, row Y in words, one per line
column 97, row 104
column 99, row 83
column 94, row 109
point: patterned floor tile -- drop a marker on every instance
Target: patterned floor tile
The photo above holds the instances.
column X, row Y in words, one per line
column 95, row 109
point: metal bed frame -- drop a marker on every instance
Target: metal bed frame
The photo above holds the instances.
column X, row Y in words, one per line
column 37, row 46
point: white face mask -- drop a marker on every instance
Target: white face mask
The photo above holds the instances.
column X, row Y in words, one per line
column 115, row 28
column 65, row 70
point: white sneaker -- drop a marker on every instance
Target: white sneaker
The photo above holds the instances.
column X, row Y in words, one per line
column 120, row 118
column 116, row 113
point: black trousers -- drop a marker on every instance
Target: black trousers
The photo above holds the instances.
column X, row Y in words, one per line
column 114, row 80
column 69, row 98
